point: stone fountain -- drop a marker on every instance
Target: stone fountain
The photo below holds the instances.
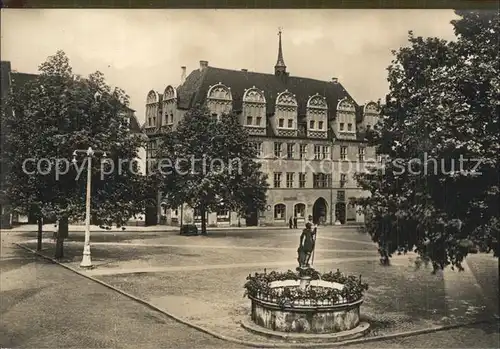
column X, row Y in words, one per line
column 305, row 304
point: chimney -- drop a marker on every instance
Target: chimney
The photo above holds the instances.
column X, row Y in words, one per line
column 183, row 74
column 335, row 80
column 244, row 69
column 203, row 65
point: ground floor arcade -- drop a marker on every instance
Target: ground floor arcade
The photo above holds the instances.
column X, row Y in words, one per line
column 324, row 205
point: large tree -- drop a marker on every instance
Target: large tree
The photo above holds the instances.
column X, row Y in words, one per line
column 208, row 164
column 53, row 115
column 437, row 192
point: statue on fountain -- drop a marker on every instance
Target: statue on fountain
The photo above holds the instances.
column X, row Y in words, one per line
column 306, row 246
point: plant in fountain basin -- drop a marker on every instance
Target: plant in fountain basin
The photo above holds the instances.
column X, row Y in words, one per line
column 259, row 285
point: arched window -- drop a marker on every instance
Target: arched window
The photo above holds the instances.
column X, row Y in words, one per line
column 254, row 108
column 286, row 111
column 219, row 99
column 300, row 210
column 279, row 212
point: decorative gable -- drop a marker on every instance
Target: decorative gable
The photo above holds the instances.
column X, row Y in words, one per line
column 371, row 114
column 169, row 93
column 317, row 117
column 169, row 102
column 152, row 109
column 219, row 99
column 286, row 114
column 345, row 121
column 254, row 111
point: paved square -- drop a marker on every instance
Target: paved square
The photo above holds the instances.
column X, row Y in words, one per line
column 201, row 278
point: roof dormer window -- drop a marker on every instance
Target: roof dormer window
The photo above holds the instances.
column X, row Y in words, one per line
column 152, row 108
column 286, row 109
column 254, row 110
column 346, row 115
column 370, row 115
column 317, row 115
column 219, row 99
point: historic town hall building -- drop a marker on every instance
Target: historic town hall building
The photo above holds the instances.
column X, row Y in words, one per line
column 310, row 137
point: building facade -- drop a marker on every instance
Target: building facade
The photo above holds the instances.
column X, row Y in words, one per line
column 309, row 134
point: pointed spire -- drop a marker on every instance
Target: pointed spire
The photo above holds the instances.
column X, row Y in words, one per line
column 280, row 66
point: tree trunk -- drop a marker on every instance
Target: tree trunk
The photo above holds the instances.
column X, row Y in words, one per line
column 39, row 234
column 62, row 234
column 203, row 220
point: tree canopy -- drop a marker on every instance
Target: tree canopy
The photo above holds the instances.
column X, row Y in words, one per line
column 442, row 107
column 52, row 116
column 208, row 164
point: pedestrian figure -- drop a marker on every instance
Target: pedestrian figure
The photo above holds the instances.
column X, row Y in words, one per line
column 290, row 223
column 295, row 222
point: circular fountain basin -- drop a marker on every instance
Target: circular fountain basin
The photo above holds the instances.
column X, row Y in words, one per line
column 305, row 316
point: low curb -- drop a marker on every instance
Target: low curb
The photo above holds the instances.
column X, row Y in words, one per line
column 329, row 338
column 251, row 343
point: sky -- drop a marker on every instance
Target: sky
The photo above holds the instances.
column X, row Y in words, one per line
column 140, row 50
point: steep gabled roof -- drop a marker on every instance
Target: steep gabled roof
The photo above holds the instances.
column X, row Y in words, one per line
column 197, row 84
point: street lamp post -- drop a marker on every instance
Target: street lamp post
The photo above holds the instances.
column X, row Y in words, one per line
column 86, row 258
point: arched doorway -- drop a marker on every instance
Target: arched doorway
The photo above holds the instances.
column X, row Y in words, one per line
column 319, row 211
